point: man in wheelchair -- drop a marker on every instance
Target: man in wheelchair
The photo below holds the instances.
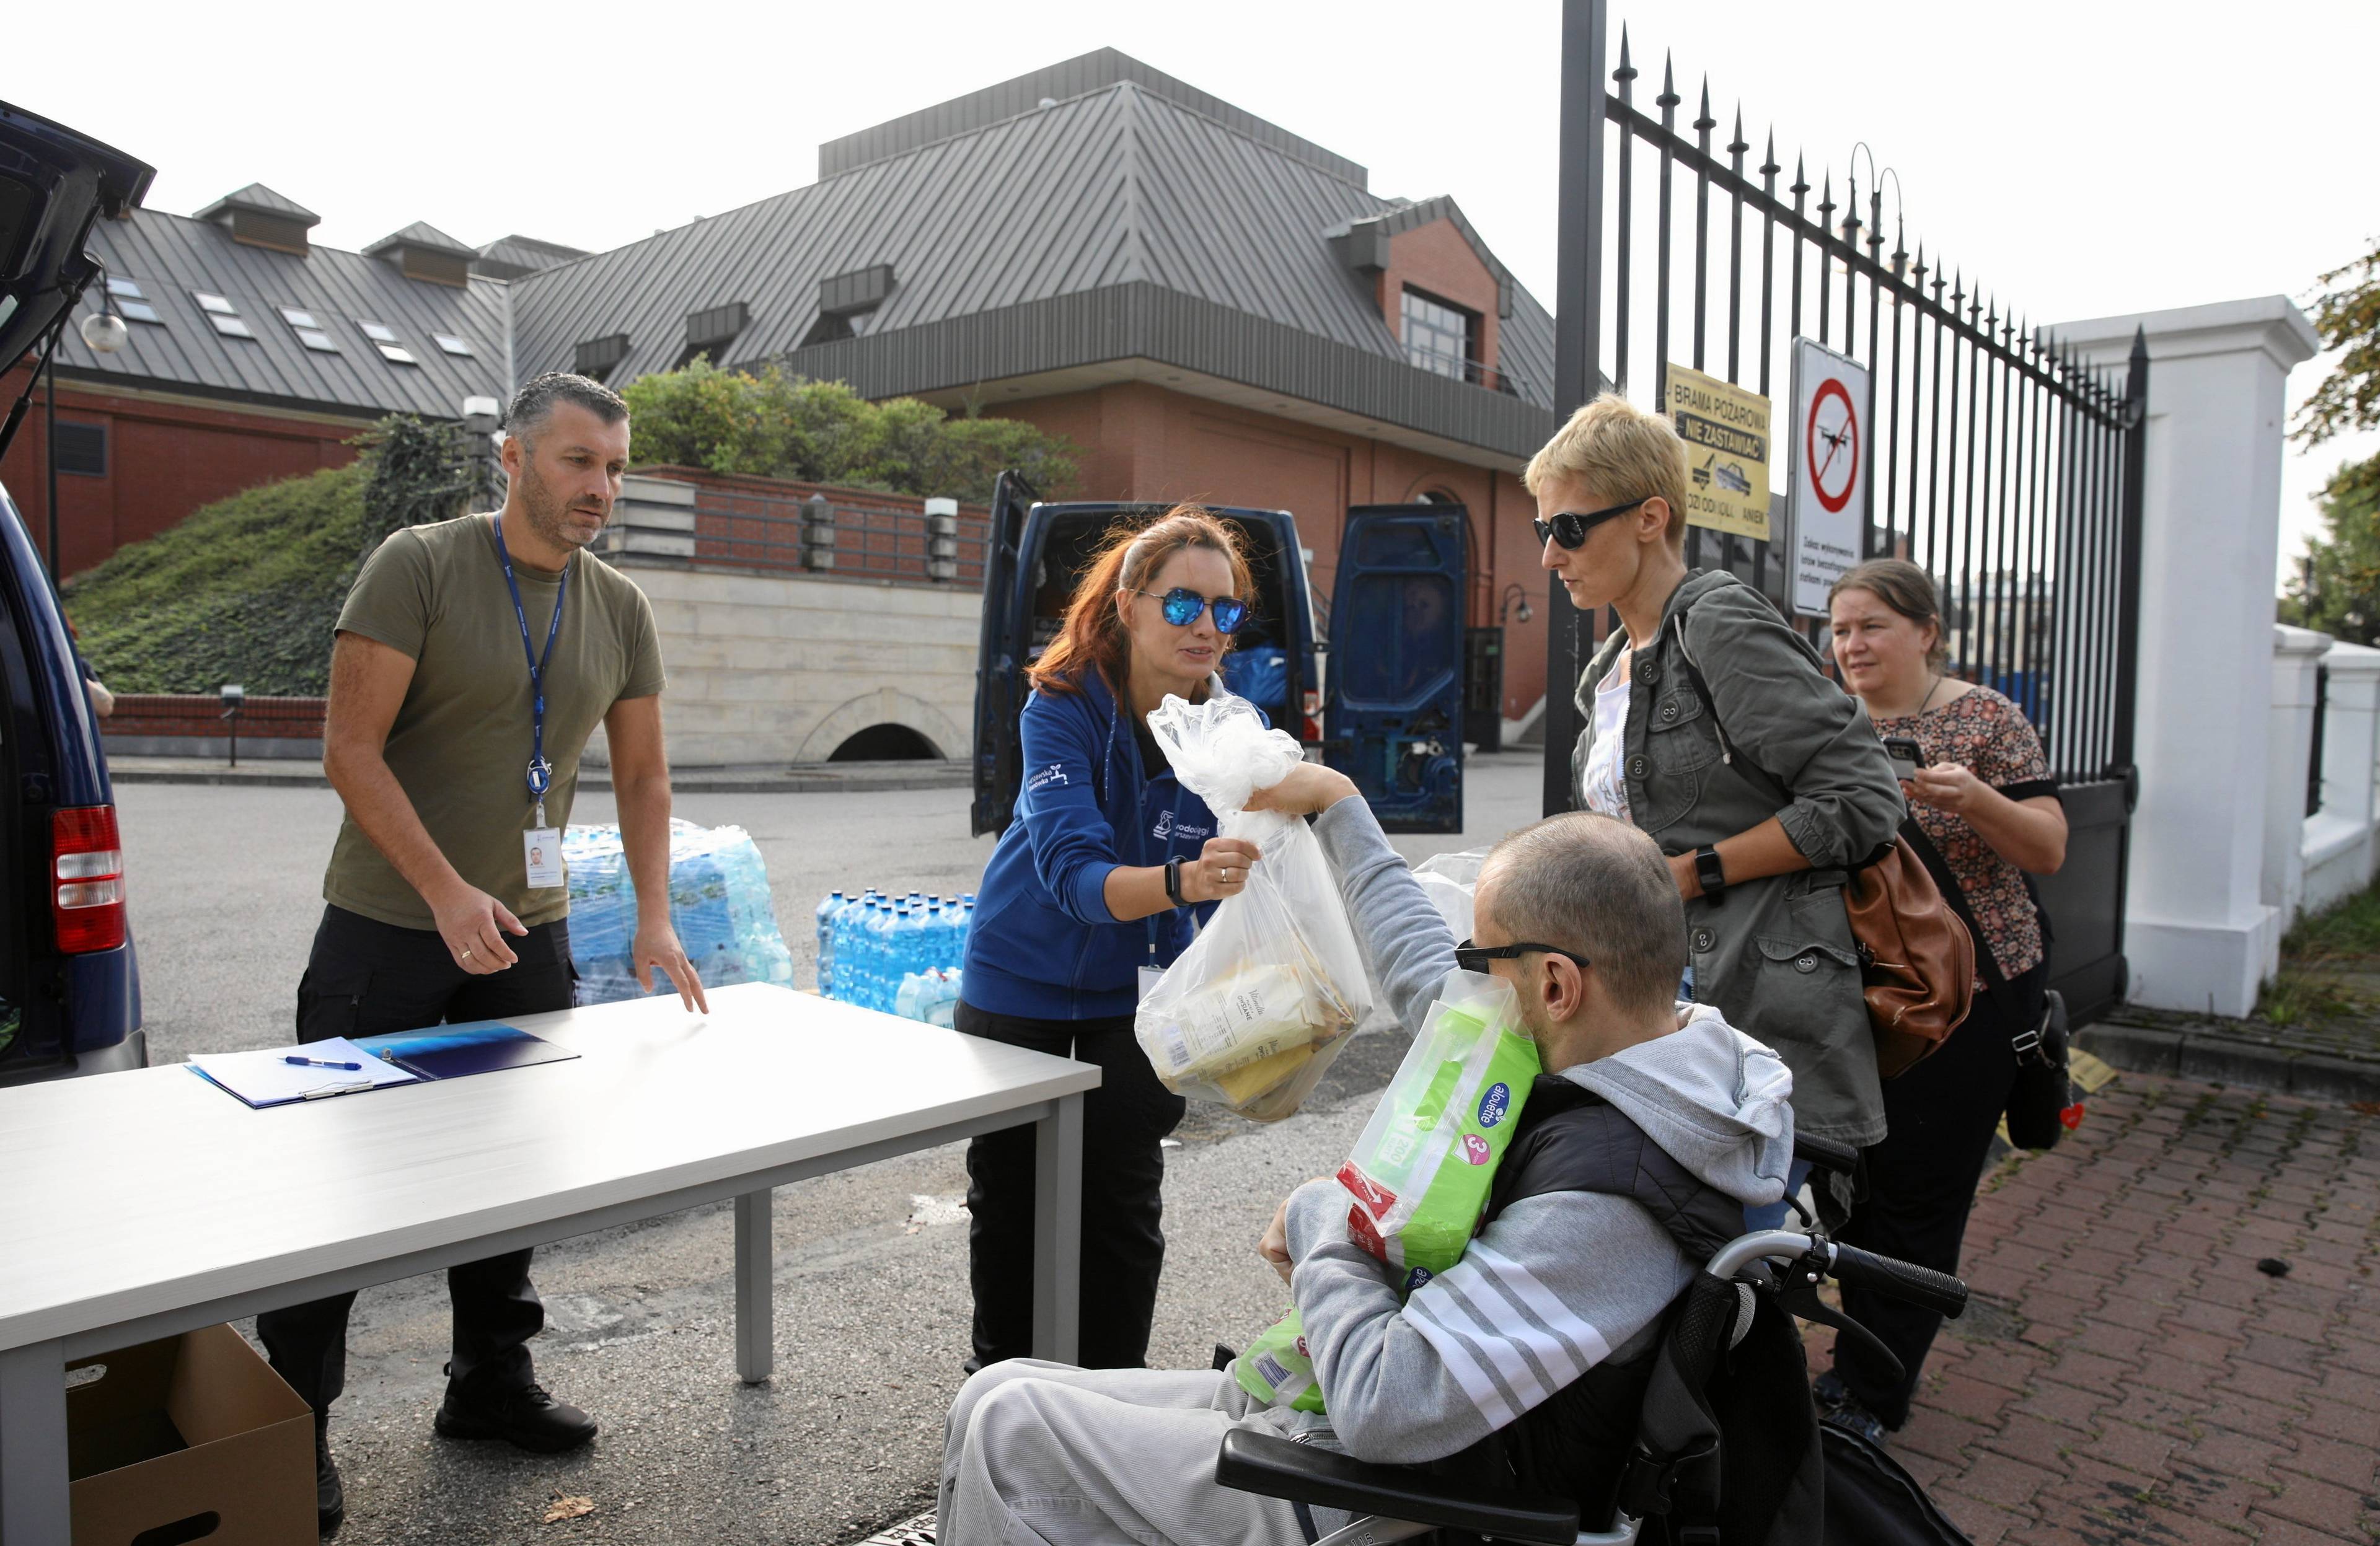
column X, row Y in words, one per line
column 1525, row 1365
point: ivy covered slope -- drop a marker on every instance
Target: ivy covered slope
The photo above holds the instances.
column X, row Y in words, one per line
column 248, row 589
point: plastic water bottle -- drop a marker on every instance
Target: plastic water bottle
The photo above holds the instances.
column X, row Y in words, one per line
column 843, row 928
column 863, row 951
column 883, row 956
column 826, row 912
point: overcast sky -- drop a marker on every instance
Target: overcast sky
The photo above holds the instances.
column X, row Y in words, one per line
column 2085, row 157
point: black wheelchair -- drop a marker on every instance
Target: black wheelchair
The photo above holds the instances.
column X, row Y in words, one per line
column 1674, row 1485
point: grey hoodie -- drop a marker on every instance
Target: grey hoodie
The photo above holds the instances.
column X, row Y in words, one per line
column 1557, row 1282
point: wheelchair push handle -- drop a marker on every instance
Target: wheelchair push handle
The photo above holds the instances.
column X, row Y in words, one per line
column 1939, row 1292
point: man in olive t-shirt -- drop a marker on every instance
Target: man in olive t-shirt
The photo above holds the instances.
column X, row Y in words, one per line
column 473, row 658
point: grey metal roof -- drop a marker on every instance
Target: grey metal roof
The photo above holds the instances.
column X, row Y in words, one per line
column 1095, row 72
column 1122, row 187
column 423, row 235
column 256, row 196
column 510, row 256
column 170, row 256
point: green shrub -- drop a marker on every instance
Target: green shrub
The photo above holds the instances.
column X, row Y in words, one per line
column 772, row 425
column 248, row 589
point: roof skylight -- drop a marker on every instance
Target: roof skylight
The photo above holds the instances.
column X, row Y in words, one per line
column 131, row 303
column 232, row 327
column 298, row 319
column 452, row 344
column 218, row 305
column 376, row 332
column 397, row 354
column 320, row 342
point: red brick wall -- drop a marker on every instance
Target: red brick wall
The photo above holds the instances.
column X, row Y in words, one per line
column 1144, row 441
column 164, row 459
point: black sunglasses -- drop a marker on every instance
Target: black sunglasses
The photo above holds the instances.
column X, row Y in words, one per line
column 1474, row 958
column 1182, row 605
column 1570, row 528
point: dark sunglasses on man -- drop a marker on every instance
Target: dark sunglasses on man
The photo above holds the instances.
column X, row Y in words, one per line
column 1182, row 605
column 1570, row 527
column 1474, row 958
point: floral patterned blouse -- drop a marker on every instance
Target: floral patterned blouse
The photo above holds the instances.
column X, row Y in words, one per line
column 1991, row 738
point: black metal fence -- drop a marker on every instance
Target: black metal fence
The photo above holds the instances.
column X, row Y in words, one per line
column 2002, row 463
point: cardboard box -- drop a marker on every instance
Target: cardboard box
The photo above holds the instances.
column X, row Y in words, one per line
column 193, row 1438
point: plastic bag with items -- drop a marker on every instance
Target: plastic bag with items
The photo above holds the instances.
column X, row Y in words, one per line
column 1448, row 880
column 1259, row 1005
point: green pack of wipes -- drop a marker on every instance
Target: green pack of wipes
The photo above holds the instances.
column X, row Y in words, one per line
column 1421, row 1171
column 1278, row 1371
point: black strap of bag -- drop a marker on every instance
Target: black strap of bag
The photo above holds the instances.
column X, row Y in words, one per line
column 2045, row 1086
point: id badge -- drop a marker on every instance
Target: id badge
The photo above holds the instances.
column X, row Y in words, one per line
column 541, row 853
column 1148, row 980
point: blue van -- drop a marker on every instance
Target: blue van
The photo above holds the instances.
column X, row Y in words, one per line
column 69, row 988
column 1389, row 713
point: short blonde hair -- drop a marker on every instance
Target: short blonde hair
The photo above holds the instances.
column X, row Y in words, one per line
column 1624, row 451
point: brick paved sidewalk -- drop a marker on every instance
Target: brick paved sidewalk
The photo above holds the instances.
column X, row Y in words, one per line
column 2126, row 1373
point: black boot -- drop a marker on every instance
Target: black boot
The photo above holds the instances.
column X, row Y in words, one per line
column 523, row 1416
column 330, row 1498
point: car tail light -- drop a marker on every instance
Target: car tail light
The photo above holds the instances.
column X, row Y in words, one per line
column 1313, row 715
column 87, row 879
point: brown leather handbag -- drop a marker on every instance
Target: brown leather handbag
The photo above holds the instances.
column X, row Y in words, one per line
column 1917, row 960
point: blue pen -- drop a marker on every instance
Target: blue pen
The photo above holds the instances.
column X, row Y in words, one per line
column 318, row 1063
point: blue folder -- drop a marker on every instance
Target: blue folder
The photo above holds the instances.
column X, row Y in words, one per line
column 457, row 1051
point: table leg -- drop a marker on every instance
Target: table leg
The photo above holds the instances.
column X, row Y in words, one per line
column 34, row 1499
column 1058, row 1230
column 755, row 1262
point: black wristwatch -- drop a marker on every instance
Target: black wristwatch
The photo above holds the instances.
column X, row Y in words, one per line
column 1173, row 882
column 1710, row 873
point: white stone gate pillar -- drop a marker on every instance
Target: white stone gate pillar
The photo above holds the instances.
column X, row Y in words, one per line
column 2199, row 932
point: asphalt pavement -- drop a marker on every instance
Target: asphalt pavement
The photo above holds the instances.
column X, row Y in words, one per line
column 871, row 1264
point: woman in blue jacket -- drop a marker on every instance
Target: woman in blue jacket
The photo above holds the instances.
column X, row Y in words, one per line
column 1096, row 881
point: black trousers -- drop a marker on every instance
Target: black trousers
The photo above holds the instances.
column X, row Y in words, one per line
column 1922, row 1179
column 364, row 979
column 1124, row 1178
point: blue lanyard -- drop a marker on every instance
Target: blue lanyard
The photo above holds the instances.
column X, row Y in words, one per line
column 540, row 772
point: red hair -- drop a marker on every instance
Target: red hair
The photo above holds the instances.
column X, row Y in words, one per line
column 1092, row 637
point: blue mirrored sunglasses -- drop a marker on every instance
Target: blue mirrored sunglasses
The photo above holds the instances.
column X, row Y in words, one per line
column 1182, row 605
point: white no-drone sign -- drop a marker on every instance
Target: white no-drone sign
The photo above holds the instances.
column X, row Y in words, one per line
column 1829, row 440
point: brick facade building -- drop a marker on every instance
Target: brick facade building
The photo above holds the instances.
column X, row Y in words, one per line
column 1205, row 306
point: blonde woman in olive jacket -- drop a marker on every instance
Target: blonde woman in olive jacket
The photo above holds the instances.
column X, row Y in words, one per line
column 1710, row 726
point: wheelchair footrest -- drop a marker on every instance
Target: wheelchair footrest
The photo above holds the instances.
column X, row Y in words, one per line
column 1275, row 1468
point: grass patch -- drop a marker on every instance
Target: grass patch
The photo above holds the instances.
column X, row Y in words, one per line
column 2295, row 995
column 2350, row 929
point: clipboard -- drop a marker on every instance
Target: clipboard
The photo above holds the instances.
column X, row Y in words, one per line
column 264, row 1078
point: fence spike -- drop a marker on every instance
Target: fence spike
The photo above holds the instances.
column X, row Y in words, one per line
column 1801, row 179
column 1769, row 167
column 1705, row 122
column 1737, row 145
column 1669, row 97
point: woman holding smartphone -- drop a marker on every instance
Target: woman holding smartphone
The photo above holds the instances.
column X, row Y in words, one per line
column 1979, row 787
column 1096, row 881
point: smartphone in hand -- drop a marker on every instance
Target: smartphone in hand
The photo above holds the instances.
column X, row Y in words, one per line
column 1906, row 754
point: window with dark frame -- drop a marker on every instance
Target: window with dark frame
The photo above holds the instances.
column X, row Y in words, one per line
column 1441, row 336
column 82, row 448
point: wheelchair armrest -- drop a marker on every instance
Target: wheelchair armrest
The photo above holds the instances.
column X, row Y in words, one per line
column 1275, row 1468
column 1824, row 1154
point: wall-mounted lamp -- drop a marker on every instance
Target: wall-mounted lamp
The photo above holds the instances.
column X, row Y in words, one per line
column 1515, row 600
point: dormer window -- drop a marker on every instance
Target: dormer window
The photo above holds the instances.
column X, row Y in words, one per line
column 1441, row 336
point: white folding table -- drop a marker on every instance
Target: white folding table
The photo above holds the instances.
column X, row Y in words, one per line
column 142, row 1205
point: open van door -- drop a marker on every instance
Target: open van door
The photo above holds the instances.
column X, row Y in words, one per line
column 1394, row 703
column 1000, row 658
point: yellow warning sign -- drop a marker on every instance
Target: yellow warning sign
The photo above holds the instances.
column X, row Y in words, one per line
column 1726, row 431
